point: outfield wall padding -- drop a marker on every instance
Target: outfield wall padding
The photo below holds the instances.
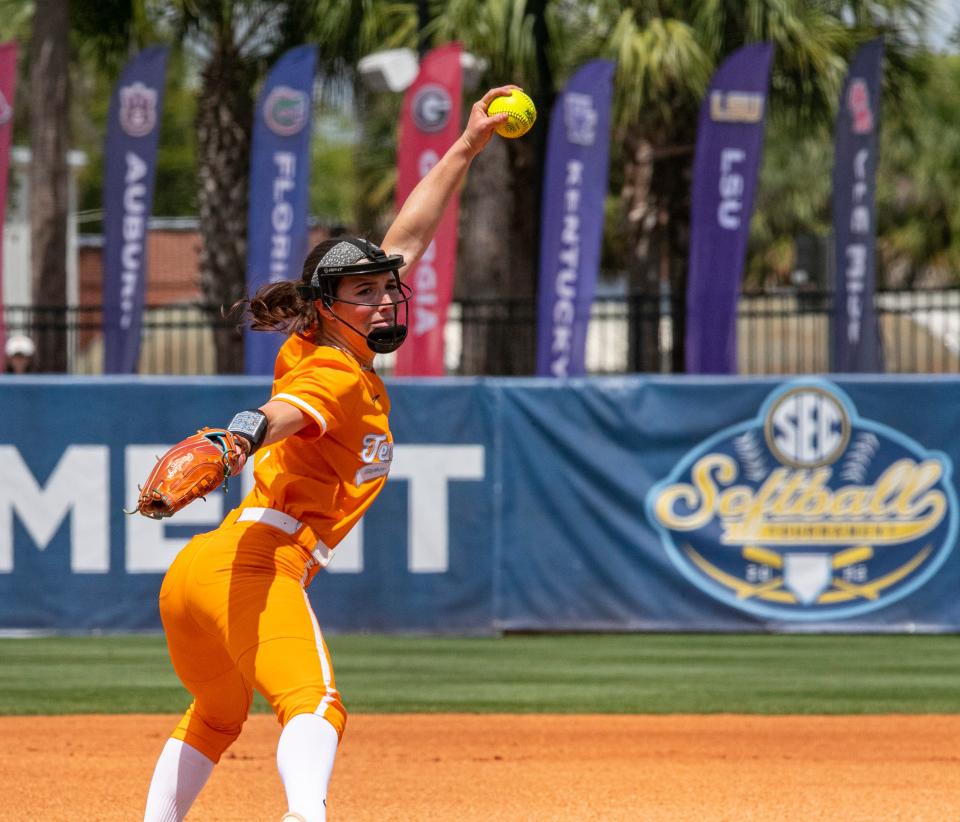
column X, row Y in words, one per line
column 622, row 503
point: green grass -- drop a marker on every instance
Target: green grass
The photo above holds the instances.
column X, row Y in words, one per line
column 604, row 673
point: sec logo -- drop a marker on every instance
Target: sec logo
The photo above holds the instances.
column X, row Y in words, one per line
column 807, row 427
column 808, row 511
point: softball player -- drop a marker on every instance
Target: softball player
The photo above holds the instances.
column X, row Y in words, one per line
column 233, row 603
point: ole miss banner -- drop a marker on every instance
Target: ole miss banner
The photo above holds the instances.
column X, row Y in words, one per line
column 856, row 338
column 279, row 188
column 8, row 79
column 429, row 125
column 133, row 132
column 575, row 183
column 729, row 144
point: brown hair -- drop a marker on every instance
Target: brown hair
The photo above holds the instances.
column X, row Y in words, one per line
column 278, row 307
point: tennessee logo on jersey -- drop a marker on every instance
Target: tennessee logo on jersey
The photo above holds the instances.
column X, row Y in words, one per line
column 377, row 454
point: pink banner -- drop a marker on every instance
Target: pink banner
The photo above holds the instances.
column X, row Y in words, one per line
column 8, row 83
column 429, row 125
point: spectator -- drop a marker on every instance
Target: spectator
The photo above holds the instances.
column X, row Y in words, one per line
column 20, row 351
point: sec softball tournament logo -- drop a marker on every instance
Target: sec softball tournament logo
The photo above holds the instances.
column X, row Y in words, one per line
column 808, row 511
column 138, row 109
column 285, row 111
column 431, row 108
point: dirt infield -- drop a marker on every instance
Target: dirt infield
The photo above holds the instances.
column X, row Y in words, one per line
column 494, row 768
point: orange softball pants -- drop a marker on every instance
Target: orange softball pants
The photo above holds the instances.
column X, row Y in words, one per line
column 236, row 616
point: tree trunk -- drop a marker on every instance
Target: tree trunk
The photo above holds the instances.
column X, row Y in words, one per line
column 656, row 200
column 224, row 120
column 49, row 140
column 483, row 262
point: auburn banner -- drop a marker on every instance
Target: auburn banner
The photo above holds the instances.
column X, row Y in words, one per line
column 726, row 164
column 575, row 183
column 8, row 81
column 279, row 188
column 855, row 335
column 429, row 125
column 130, row 156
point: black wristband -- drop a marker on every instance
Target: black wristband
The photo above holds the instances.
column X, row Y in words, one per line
column 251, row 425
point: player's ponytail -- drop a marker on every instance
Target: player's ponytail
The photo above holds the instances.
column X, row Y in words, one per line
column 278, row 307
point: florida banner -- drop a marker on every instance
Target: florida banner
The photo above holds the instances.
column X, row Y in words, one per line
column 725, row 169
column 429, row 125
column 8, row 81
column 855, row 335
column 575, row 184
column 130, row 155
column 279, row 188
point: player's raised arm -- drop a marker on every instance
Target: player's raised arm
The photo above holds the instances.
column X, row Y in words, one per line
column 418, row 218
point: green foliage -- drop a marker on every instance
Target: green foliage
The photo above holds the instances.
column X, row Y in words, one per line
column 919, row 214
column 628, row 673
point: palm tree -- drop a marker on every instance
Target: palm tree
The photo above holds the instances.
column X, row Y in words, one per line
column 238, row 40
column 499, row 246
column 666, row 53
column 49, row 100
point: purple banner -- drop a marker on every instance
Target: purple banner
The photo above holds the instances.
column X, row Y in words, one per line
column 855, row 334
column 279, row 188
column 130, row 156
column 575, row 184
column 725, row 169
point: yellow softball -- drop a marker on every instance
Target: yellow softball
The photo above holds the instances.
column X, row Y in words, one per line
column 521, row 113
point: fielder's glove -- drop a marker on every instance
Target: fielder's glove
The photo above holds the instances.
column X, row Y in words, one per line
column 192, row 468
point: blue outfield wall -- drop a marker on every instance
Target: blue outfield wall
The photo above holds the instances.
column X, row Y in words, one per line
column 626, row 503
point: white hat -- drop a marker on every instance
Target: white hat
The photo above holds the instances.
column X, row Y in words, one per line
column 19, row 344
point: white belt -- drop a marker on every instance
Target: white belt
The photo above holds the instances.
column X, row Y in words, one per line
column 270, row 516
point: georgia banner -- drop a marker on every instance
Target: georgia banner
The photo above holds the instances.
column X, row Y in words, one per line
column 855, row 335
column 8, row 82
column 429, row 125
column 279, row 188
column 575, row 184
column 130, row 156
column 725, row 170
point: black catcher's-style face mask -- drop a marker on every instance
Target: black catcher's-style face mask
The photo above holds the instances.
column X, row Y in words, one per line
column 343, row 260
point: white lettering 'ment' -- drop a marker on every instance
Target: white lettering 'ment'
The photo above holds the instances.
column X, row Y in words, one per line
column 78, row 486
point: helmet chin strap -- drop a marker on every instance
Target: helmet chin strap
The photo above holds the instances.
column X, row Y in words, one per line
column 380, row 340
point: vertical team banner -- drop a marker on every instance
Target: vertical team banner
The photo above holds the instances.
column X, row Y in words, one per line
column 575, row 184
column 725, row 170
column 429, row 125
column 279, row 188
column 8, row 81
column 130, row 156
column 855, row 335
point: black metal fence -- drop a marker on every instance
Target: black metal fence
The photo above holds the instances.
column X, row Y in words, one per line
column 778, row 333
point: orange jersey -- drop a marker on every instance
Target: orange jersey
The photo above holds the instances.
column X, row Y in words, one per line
column 327, row 474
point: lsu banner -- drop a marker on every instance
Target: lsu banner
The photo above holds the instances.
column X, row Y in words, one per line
column 8, row 81
column 429, row 125
column 279, row 188
column 726, row 165
column 575, row 184
column 130, row 155
column 855, row 333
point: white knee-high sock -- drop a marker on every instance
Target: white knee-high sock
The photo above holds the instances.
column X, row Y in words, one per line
column 180, row 774
column 305, row 754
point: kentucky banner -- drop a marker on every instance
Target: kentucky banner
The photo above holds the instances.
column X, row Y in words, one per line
column 279, row 188
column 575, row 184
column 855, row 334
column 8, row 81
column 726, row 165
column 429, row 125
column 130, row 155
